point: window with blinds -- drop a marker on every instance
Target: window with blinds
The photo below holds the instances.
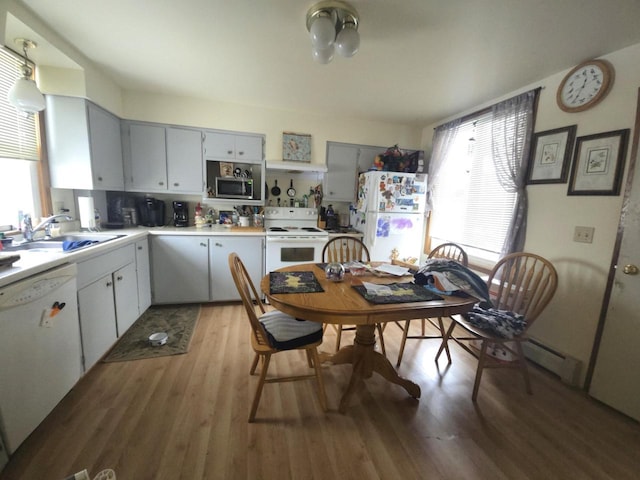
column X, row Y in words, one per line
column 19, row 146
column 18, row 131
column 469, row 205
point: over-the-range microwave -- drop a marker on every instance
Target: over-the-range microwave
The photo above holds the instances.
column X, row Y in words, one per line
column 234, row 187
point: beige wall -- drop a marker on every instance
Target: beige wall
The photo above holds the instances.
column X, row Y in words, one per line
column 569, row 323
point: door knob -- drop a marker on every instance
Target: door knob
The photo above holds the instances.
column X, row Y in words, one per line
column 630, row 269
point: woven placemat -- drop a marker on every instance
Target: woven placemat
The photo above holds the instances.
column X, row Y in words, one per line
column 400, row 293
column 294, row 282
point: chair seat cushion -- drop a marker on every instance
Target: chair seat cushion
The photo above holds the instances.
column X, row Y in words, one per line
column 285, row 332
column 502, row 323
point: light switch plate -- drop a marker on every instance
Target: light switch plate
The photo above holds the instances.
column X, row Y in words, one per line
column 583, row 234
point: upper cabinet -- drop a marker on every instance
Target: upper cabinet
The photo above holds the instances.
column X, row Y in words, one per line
column 233, row 146
column 344, row 163
column 83, row 144
column 160, row 158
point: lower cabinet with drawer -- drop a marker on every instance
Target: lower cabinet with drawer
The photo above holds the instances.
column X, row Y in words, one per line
column 107, row 300
column 195, row 269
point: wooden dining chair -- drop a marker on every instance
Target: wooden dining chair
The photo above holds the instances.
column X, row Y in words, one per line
column 274, row 332
column 344, row 249
column 520, row 283
column 450, row 251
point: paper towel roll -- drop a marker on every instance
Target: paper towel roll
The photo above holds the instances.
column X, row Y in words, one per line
column 87, row 212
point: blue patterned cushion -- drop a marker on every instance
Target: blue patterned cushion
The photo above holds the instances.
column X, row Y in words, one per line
column 285, row 332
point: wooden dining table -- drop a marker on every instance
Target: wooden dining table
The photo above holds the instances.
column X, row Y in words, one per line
column 340, row 303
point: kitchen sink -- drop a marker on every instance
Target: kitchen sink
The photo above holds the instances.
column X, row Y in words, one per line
column 57, row 243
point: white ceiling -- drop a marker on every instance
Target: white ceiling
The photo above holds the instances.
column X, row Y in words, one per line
column 419, row 61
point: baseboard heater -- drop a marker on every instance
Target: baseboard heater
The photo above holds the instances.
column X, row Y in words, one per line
column 564, row 366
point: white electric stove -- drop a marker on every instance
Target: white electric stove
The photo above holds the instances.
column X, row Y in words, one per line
column 292, row 237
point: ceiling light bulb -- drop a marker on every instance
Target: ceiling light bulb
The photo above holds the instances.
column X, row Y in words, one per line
column 323, row 55
column 25, row 96
column 348, row 41
column 322, row 32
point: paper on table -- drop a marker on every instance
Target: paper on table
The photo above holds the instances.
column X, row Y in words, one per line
column 392, row 269
column 375, row 289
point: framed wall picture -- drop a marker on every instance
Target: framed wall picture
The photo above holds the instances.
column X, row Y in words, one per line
column 296, row 147
column 598, row 163
column 550, row 156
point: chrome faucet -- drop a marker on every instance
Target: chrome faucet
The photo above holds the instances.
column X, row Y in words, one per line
column 28, row 230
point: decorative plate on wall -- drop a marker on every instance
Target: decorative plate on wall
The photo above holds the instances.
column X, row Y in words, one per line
column 296, row 147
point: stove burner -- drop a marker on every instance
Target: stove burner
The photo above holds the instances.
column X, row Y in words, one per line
column 311, row 229
column 278, row 229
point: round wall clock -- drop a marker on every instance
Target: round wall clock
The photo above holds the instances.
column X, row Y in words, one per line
column 585, row 86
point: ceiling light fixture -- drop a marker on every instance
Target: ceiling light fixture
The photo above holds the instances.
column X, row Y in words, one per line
column 333, row 26
column 24, row 95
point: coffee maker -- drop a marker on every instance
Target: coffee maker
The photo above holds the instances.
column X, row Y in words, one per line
column 180, row 214
column 151, row 212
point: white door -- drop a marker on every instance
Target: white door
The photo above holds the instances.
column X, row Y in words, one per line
column 616, row 377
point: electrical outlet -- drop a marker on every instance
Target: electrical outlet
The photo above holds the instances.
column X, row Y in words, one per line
column 583, row 234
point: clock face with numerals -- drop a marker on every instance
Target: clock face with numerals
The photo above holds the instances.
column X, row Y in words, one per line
column 585, row 86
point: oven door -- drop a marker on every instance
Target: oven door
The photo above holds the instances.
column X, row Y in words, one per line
column 283, row 251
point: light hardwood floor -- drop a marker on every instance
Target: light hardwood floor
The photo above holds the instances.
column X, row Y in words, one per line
column 185, row 417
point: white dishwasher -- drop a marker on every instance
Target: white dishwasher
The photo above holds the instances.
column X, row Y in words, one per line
column 40, row 350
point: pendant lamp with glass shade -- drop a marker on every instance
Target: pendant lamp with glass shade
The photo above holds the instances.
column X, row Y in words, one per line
column 24, row 94
column 333, row 27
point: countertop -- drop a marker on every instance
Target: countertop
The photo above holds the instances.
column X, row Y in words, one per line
column 33, row 262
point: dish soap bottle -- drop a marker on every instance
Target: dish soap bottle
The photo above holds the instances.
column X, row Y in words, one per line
column 199, row 219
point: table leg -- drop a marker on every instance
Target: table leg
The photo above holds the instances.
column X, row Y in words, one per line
column 365, row 361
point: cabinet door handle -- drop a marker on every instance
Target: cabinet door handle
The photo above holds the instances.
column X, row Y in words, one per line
column 109, row 284
column 176, row 184
column 139, row 248
column 218, row 244
column 202, row 244
column 240, row 153
column 229, row 152
column 119, row 277
column 160, row 183
column 99, row 179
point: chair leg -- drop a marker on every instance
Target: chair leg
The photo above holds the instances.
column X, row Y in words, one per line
column 481, row 362
column 309, row 359
column 254, row 365
column 405, row 330
column 523, row 367
column 445, row 339
column 258, row 394
column 379, row 327
column 423, row 327
column 338, row 336
column 442, row 333
column 322, row 395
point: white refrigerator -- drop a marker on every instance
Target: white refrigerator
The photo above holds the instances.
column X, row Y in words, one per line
column 390, row 212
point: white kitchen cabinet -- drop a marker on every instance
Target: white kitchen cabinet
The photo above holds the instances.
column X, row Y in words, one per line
column 84, row 145
column 125, row 296
column 145, row 159
column 233, row 146
column 250, row 250
column 179, row 269
column 160, row 158
column 143, row 275
column 97, row 319
column 184, row 160
column 341, row 177
column 107, row 300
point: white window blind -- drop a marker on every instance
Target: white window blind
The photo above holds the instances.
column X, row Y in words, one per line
column 18, row 131
column 470, row 207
